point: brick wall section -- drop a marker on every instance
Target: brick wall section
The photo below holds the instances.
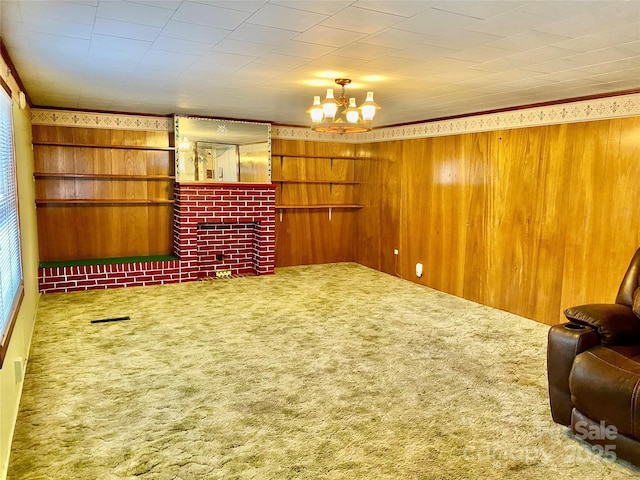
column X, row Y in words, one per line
column 92, row 277
column 226, row 246
column 243, row 207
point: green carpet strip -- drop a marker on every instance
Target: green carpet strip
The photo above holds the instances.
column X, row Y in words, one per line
column 107, row 261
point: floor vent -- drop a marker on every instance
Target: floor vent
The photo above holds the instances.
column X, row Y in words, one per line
column 109, row 320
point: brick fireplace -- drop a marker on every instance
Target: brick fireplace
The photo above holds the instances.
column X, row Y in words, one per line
column 226, row 248
column 225, row 227
column 217, row 227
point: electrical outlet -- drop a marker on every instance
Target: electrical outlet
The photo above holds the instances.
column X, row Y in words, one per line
column 395, row 251
column 418, row 269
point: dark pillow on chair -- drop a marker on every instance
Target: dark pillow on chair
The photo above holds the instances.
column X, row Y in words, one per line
column 616, row 324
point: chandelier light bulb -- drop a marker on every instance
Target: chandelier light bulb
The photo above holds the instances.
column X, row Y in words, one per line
column 316, row 110
column 369, row 107
column 329, row 105
column 352, row 112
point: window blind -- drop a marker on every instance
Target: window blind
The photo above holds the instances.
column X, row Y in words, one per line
column 10, row 264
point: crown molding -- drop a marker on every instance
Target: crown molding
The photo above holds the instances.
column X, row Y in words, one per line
column 580, row 111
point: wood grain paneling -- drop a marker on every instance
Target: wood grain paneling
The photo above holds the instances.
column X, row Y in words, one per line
column 79, row 231
column 529, row 220
column 309, row 236
column 378, row 223
column 552, row 197
column 434, row 229
column 508, row 224
column 602, row 219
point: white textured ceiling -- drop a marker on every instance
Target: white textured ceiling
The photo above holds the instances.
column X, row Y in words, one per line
column 264, row 60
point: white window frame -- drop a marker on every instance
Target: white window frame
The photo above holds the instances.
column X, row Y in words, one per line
column 11, row 280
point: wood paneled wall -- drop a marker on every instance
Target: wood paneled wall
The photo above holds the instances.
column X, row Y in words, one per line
column 308, row 236
column 529, row 220
column 377, row 227
column 92, row 229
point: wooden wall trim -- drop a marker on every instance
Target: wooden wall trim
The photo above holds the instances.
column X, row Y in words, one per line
column 9, row 77
column 608, row 108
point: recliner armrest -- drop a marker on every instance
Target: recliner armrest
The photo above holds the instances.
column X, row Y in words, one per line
column 616, row 324
column 565, row 342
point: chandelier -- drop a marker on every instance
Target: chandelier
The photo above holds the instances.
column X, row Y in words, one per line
column 352, row 119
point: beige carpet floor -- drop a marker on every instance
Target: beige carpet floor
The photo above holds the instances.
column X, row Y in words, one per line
column 317, row 372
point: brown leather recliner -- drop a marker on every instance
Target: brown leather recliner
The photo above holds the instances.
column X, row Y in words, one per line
column 593, row 366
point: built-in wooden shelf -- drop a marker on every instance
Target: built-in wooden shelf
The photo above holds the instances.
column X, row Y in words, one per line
column 95, row 145
column 323, row 206
column 318, row 206
column 319, row 182
column 333, row 157
column 327, row 206
column 103, row 176
column 95, row 201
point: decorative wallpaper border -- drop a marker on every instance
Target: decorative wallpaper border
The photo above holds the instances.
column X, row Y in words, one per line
column 70, row 118
column 582, row 111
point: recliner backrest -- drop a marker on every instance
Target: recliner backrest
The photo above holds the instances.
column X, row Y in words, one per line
column 630, row 282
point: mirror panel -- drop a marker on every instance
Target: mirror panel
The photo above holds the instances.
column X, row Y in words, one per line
column 213, row 150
